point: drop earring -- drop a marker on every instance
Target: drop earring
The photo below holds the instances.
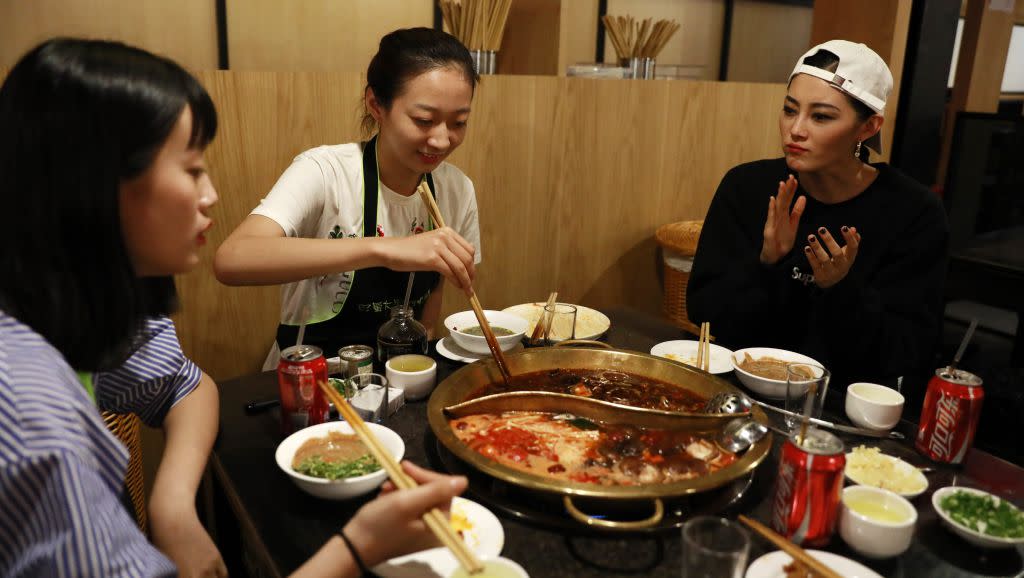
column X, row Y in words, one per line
column 856, row 151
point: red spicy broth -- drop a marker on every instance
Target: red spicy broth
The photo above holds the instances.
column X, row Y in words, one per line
column 605, row 385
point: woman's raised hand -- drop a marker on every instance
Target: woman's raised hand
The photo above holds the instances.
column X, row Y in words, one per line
column 780, row 227
column 829, row 262
column 442, row 250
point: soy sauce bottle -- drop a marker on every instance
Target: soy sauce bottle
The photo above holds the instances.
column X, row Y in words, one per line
column 400, row 335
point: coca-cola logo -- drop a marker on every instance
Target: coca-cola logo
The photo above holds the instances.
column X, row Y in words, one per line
column 783, row 496
column 947, row 414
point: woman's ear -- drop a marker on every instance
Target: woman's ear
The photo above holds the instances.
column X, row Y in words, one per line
column 871, row 127
column 373, row 105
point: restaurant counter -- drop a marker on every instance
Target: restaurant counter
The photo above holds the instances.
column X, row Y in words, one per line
column 266, row 526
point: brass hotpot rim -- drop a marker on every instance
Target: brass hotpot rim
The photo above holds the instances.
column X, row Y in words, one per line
column 453, row 390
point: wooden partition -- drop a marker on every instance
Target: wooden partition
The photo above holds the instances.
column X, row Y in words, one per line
column 572, row 176
column 184, row 30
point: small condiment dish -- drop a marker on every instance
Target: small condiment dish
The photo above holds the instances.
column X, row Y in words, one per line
column 970, row 534
column 341, row 489
column 458, row 322
column 414, row 374
column 873, row 406
column 766, row 387
column 876, row 523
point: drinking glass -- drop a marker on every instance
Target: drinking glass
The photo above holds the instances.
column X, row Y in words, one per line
column 561, row 324
column 369, row 396
column 801, row 379
column 714, row 548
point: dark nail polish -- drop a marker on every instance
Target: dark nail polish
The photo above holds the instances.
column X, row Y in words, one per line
column 807, row 249
column 822, row 231
column 812, row 239
column 846, row 229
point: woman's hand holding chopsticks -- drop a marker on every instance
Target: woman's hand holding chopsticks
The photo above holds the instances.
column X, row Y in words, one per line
column 393, row 525
column 442, row 250
column 389, row 526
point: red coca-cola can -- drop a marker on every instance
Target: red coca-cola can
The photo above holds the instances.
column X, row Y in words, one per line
column 303, row 404
column 949, row 417
column 807, row 490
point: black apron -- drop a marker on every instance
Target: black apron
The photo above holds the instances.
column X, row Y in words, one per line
column 373, row 292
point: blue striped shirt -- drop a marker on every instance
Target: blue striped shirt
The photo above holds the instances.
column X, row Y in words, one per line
column 61, row 470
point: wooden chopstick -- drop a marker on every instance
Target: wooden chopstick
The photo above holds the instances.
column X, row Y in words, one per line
column 492, row 342
column 545, row 318
column 796, row 552
column 434, row 519
column 707, row 346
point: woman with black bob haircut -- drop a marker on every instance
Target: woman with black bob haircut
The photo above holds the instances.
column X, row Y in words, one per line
column 845, row 262
column 101, row 155
column 343, row 225
column 101, row 152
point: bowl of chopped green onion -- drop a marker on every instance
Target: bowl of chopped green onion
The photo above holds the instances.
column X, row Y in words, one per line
column 985, row 520
column 329, row 461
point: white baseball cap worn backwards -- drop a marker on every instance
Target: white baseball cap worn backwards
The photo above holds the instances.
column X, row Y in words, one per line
column 861, row 73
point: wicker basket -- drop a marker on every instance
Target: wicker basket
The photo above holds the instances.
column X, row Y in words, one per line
column 126, row 427
column 680, row 238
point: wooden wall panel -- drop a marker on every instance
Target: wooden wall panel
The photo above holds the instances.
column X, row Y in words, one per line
column 531, row 41
column 756, row 26
column 184, row 30
column 572, row 175
column 312, row 35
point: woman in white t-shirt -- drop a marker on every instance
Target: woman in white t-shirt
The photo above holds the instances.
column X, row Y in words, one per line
column 343, row 226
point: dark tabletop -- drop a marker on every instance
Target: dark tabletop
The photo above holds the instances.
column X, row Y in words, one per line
column 280, row 526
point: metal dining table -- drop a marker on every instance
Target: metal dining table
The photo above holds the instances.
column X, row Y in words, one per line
column 266, row 526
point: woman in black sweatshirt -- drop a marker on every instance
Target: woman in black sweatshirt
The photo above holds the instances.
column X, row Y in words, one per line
column 845, row 263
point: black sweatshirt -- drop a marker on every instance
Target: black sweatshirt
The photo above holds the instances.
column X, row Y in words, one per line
column 881, row 321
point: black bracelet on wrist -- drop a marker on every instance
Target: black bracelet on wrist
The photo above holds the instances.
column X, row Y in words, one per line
column 363, row 570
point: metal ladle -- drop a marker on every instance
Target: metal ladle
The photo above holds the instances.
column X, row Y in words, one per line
column 740, row 433
column 728, row 402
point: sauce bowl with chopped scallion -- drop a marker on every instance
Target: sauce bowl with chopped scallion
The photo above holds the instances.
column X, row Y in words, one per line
column 328, row 461
column 983, row 519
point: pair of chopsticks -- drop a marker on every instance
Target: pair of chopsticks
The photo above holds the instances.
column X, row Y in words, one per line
column 492, row 342
column 541, row 328
column 704, row 347
column 795, row 552
column 434, row 519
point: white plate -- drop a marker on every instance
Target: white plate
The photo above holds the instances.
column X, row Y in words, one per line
column 771, row 565
column 590, row 323
column 485, row 537
column 685, row 351
column 447, row 347
column 969, row 534
column 898, row 464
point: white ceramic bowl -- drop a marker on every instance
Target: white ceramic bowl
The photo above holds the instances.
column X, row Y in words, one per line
column 771, row 388
column 972, row 536
column 335, row 489
column 478, row 343
column 901, row 471
column 415, row 384
column 496, row 567
column 872, row 406
column 870, row 536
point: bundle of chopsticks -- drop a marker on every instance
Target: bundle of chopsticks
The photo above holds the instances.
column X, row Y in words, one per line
column 479, row 24
column 635, row 39
column 434, row 519
column 704, row 347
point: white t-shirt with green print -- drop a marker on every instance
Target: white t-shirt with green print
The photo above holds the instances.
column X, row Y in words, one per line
column 320, row 196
